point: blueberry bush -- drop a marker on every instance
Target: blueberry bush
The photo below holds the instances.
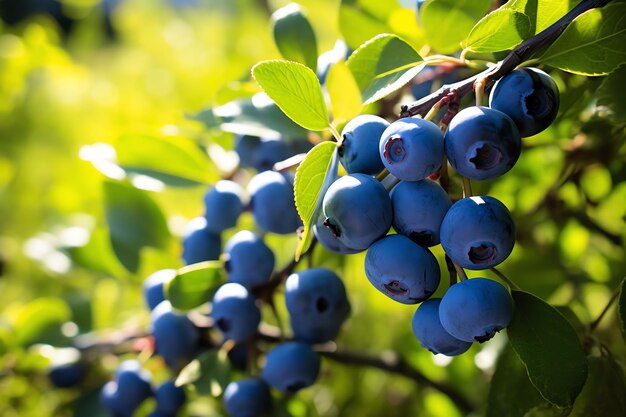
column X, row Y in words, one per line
column 326, row 208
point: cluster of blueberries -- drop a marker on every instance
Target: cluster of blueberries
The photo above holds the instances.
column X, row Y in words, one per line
column 476, row 232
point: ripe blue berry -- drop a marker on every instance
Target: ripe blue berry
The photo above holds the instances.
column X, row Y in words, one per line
column 153, row 287
column 317, row 304
column 248, row 260
column 238, row 356
column 175, row 336
column 475, row 309
column 67, row 370
column 271, row 199
column 411, row 148
column 431, row 334
column 269, row 152
column 235, row 313
column 418, row 210
column 358, row 210
column 200, row 244
column 328, row 240
column 169, row 398
column 129, row 389
column 482, row 143
column 223, row 205
column 246, row 146
column 529, row 96
column 358, row 149
column 248, row 397
column 478, row 232
column 402, row 270
column 291, row 366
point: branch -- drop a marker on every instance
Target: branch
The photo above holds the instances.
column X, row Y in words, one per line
column 518, row 55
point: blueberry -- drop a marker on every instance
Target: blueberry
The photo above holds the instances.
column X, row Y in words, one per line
column 328, row 240
column 110, row 400
column 269, row 152
column 291, row 366
column 246, row 146
column 68, row 370
column 238, row 356
column 129, row 389
column 248, row 397
column 223, row 205
column 169, row 398
column 317, row 304
column 431, row 334
column 200, row 244
column 175, row 336
column 482, row 143
column 475, row 309
column 478, row 232
column 153, row 287
column 271, row 199
column 358, row 210
column 249, row 261
column 418, row 210
column 402, row 270
column 235, row 313
column 411, row 148
column 358, row 148
column 528, row 96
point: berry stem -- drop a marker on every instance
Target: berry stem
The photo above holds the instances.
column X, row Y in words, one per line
column 504, row 278
column 467, row 187
column 606, row 308
column 382, row 175
column 460, row 271
column 479, row 90
column 335, row 132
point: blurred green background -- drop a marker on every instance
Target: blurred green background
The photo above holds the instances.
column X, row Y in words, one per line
column 104, row 75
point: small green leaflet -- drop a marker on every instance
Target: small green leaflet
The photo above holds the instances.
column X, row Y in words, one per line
column 194, row 284
column 542, row 13
column 621, row 308
column 447, row 22
column 296, row 90
column 311, row 177
column 549, row 347
column 360, row 20
column 382, row 65
column 345, row 96
column 593, row 44
column 498, row 31
column 293, row 35
column 210, row 373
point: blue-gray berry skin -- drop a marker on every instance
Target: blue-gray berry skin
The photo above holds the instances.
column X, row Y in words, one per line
column 529, row 96
column 153, row 286
column 358, row 210
column 238, row 356
column 68, row 374
column 169, row 398
column 272, row 202
column 402, row 270
column 291, row 366
column 223, row 204
column 269, row 152
column 248, row 260
column 475, row 309
column 317, row 304
column 411, row 148
column 246, row 146
column 358, row 149
column 234, row 312
column 175, row 336
column 478, row 232
column 428, row 330
column 328, row 240
column 418, row 210
column 482, row 143
column 248, row 397
column 132, row 385
column 199, row 243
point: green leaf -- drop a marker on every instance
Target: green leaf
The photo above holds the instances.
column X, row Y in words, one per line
column 621, row 308
column 296, row 90
column 360, row 20
column 511, row 394
column 309, row 186
column 40, row 322
column 498, row 31
column 447, row 22
column 382, row 65
column 345, row 96
column 134, row 221
column 593, row 44
column 194, row 284
column 210, row 373
column 541, row 13
column 169, row 159
column 294, row 35
column 604, row 392
column 611, row 95
column 549, row 347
